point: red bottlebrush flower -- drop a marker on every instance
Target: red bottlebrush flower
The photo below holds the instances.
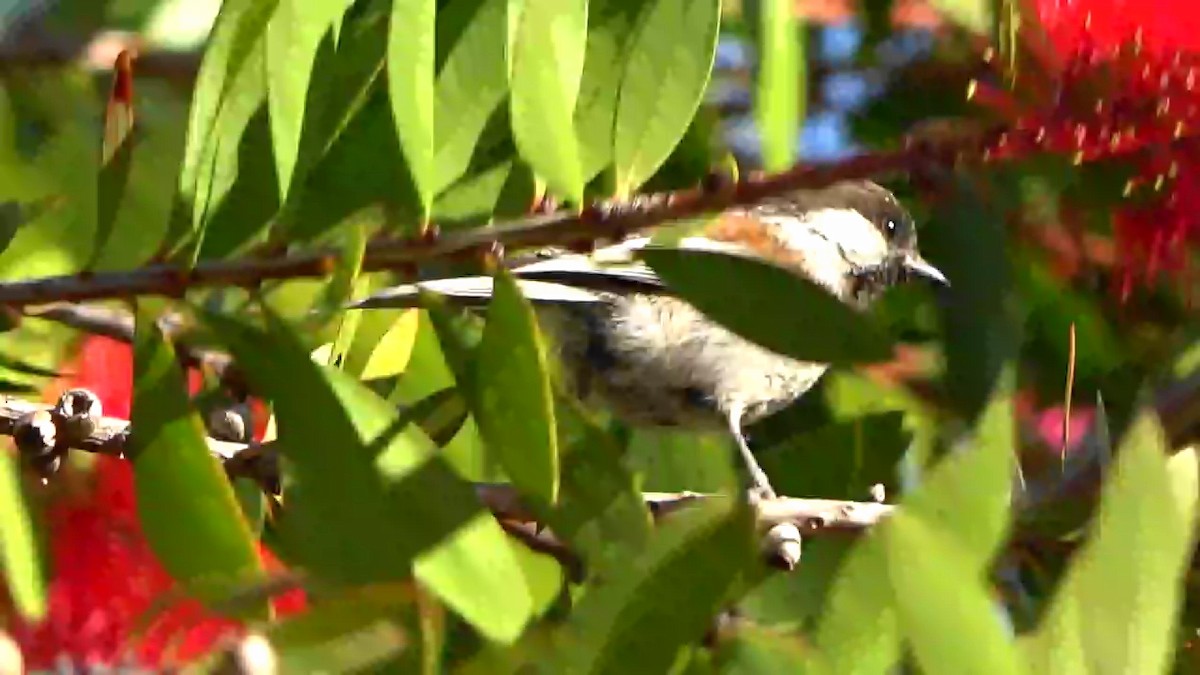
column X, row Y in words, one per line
column 1118, row 78
column 1162, row 27
column 106, row 583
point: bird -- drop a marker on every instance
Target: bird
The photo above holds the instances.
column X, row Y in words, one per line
column 629, row 344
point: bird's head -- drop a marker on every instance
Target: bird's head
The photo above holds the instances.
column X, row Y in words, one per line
column 853, row 237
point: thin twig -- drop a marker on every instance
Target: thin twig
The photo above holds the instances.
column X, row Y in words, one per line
column 1069, row 394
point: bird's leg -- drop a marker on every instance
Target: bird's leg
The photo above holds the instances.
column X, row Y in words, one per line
column 760, row 487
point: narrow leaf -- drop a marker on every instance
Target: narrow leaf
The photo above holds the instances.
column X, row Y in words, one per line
column 968, row 494
column 384, row 477
column 185, row 502
column 116, row 153
column 972, row 15
column 547, row 64
column 410, row 66
column 293, row 36
column 345, row 633
column 639, row 618
column 770, row 305
column 601, row 512
column 465, row 559
column 229, row 88
column 1116, row 610
column 756, row 649
column 777, row 106
column 936, row 585
column 859, row 629
column 610, row 33
column 382, row 344
column 666, row 73
column 966, row 238
column 512, row 398
column 18, row 545
column 471, row 81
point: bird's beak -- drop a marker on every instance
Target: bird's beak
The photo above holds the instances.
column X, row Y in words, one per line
column 916, row 267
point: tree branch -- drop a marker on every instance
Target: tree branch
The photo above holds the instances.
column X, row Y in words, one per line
column 934, row 145
column 607, row 220
column 110, row 436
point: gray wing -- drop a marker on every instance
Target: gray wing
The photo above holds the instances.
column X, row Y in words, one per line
column 583, row 272
column 473, row 292
column 568, row 278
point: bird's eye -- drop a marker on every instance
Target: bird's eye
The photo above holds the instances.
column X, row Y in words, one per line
column 891, row 227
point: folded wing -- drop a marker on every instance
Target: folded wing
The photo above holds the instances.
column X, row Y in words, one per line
column 566, row 278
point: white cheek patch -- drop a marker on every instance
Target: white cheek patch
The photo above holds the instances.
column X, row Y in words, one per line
column 857, row 238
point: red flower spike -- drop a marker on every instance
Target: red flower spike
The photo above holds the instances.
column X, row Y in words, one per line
column 1128, row 84
column 106, row 580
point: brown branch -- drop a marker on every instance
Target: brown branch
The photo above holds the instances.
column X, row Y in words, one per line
column 933, row 145
column 110, row 436
column 609, row 220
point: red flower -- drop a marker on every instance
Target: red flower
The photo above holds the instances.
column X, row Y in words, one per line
column 1118, row 78
column 106, row 586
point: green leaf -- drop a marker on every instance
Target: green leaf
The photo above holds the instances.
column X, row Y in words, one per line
column 937, row 585
column 345, row 633
column 543, row 575
column 384, row 477
column 610, row 33
column 230, row 86
column 116, row 155
column 351, row 247
column 859, row 629
column 770, row 305
column 293, row 36
column 458, row 336
column 511, row 396
column 18, row 544
column 793, row 601
column 1117, row 607
column 966, row 239
column 471, row 83
column 668, row 460
column 601, row 512
column 840, row 460
column 503, row 190
column 547, row 65
column 426, row 375
column 779, row 91
column 974, row 15
column 382, row 344
column 968, row 494
column 666, row 73
column 141, row 216
column 253, row 504
column 242, row 217
column 410, row 69
column 754, row 649
column 185, row 502
column 640, row 618
column 361, row 174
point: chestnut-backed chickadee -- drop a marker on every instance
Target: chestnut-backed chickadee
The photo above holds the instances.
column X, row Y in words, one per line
column 653, row 359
